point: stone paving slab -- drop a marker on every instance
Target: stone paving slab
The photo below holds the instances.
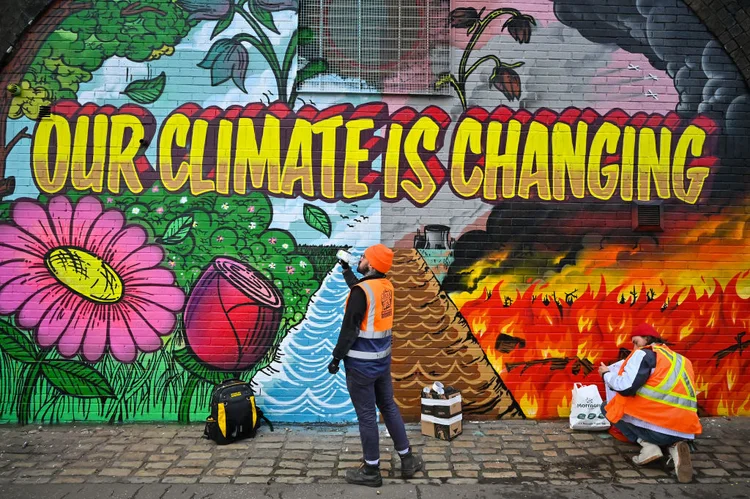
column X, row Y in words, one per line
column 486, row 453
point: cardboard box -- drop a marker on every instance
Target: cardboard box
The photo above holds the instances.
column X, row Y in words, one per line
column 442, row 414
column 441, row 430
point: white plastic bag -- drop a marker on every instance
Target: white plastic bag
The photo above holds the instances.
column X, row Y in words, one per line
column 586, row 409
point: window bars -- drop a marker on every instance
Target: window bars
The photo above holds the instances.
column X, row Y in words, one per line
column 378, row 46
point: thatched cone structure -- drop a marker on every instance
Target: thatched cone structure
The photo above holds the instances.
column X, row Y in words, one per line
column 432, row 342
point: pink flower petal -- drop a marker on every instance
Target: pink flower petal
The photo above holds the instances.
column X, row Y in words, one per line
column 162, row 321
column 168, row 297
column 57, row 319
column 157, row 276
column 61, row 216
column 105, row 228
column 87, row 211
column 17, row 239
column 96, row 335
column 72, row 337
column 125, row 243
column 120, row 341
column 33, row 310
column 146, row 338
column 145, row 257
column 17, row 283
column 32, row 218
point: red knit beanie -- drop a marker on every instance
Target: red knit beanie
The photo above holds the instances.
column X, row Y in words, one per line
column 380, row 257
column 645, row 329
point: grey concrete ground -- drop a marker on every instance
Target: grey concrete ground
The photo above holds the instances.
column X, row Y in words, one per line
column 490, row 459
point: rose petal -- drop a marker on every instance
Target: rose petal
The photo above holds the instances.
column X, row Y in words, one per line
column 61, row 217
column 146, row 338
column 33, row 310
column 168, row 297
column 95, row 337
column 31, row 217
column 105, row 228
column 120, row 341
column 145, row 257
column 57, row 318
column 72, row 337
column 17, row 239
column 87, row 211
column 125, row 243
column 157, row 276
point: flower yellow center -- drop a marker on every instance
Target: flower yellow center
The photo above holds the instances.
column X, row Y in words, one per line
column 85, row 274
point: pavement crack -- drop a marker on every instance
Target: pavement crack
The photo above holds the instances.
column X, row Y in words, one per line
column 597, row 494
column 419, row 492
column 164, row 493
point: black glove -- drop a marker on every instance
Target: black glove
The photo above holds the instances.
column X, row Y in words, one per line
column 344, row 265
column 333, row 367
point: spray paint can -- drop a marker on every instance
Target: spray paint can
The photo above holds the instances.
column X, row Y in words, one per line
column 348, row 258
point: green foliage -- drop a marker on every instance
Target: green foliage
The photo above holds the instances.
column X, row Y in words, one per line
column 234, row 226
column 76, row 378
column 317, row 218
column 85, row 39
column 146, row 91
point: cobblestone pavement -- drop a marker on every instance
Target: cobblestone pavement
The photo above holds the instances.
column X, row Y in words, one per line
column 509, row 452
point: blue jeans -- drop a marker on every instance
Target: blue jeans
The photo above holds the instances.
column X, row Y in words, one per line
column 633, row 433
column 367, row 393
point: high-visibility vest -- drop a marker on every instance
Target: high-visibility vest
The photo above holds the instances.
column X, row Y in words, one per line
column 377, row 323
column 668, row 397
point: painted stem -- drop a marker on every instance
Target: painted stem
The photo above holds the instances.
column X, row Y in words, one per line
column 266, row 49
column 286, row 67
column 24, row 401
column 183, row 414
column 460, row 86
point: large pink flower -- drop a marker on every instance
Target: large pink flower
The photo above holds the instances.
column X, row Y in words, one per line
column 85, row 281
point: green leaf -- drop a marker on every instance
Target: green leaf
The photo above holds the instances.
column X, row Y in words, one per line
column 222, row 25
column 306, row 36
column 76, row 378
column 146, row 91
column 16, row 344
column 312, row 68
column 192, row 365
column 317, row 219
column 263, row 16
column 177, row 230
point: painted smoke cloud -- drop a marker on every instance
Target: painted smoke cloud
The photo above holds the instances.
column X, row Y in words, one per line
column 705, row 77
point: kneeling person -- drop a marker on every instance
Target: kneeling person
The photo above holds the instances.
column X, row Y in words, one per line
column 652, row 401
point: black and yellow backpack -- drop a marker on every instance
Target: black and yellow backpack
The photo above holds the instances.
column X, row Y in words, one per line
column 234, row 415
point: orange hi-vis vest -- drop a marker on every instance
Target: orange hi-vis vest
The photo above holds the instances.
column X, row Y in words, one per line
column 377, row 323
column 667, row 399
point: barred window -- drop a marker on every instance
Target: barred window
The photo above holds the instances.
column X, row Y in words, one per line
column 379, row 46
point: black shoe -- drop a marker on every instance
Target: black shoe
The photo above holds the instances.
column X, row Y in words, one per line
column 365, row 475
column 410, row 464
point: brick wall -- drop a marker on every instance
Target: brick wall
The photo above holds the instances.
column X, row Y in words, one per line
column 173, row 201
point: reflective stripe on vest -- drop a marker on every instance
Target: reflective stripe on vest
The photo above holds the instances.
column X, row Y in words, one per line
column 664, row 391
column 370, row 306
column 375, row 335
column 377, row 323
column 356, row 354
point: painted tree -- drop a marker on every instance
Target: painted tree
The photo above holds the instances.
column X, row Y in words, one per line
column 72, row 41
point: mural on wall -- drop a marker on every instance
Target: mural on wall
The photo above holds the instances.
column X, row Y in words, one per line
column 172, row 209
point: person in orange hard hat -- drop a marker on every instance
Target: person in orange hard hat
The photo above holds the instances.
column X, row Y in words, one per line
column 651, row 400
column 364, row 344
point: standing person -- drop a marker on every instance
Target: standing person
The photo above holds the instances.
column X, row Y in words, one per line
column 652, row 401
column 365, row 345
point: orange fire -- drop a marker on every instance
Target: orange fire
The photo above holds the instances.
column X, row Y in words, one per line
column 541, row 343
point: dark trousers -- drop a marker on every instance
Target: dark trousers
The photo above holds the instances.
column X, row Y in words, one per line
column 367, row 393
column 633, row 433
